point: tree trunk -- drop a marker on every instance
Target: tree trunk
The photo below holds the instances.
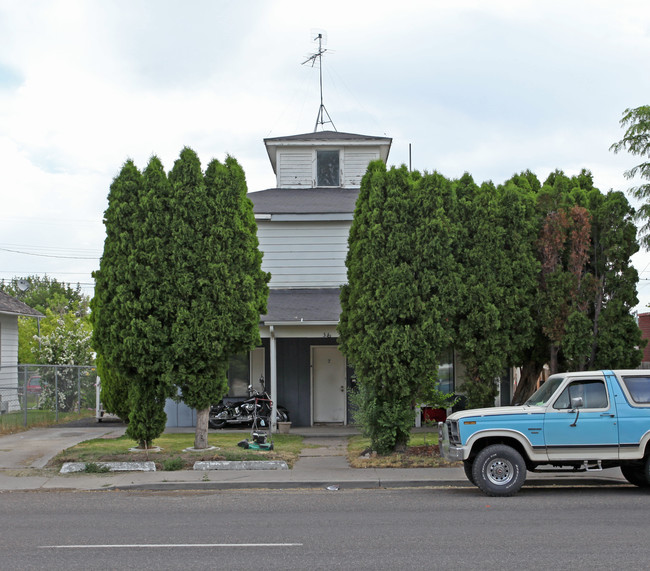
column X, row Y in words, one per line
column 527, row 384
column 598, row 305
column 553, row 365
column 201, row 432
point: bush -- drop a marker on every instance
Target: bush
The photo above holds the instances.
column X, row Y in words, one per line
column 92, row 468
column 173, row 464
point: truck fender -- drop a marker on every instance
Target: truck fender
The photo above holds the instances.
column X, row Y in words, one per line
column 538, row 455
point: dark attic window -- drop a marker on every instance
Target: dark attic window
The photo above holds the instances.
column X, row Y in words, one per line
column 327, row 168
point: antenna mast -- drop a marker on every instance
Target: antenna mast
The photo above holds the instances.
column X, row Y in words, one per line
column 322, row 112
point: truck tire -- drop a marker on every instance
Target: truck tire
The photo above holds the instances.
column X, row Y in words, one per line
column 499, row 470
column 637, row 474
column 468, row 466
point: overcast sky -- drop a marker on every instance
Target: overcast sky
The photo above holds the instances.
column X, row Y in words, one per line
column 490, row 88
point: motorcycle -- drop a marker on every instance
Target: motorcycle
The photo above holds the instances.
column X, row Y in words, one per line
column 239, row 412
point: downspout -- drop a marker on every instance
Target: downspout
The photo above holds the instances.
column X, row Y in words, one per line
column 274, row 379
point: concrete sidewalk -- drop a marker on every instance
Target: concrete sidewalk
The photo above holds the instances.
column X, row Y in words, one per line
column 322, row 465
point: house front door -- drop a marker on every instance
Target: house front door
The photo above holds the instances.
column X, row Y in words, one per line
column 328, row 377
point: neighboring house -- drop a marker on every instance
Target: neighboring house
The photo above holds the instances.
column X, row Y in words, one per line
column 10, row 310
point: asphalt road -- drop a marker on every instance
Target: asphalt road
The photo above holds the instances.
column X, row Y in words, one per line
column 458, row 528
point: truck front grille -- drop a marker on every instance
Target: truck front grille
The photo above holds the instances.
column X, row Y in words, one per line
column 452, row 430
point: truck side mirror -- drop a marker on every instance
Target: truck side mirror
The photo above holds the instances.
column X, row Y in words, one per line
column 577, row 402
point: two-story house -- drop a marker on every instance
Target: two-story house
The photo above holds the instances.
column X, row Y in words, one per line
column 303, row 226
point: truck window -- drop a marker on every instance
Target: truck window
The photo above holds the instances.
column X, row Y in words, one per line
column 639, row 389
column 545, row 392
column 593, row 393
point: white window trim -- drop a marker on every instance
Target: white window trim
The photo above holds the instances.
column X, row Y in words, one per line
column 315, row 166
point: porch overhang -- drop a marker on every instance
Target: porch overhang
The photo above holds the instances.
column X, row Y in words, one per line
column 302, row 307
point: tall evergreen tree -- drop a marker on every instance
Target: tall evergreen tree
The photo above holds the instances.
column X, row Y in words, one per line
column 617, row 340
column 128, row 332
column 499, row 269
column 392, row 326
column 219, row 287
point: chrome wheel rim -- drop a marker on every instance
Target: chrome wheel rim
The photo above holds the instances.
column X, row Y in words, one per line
column 500, row 471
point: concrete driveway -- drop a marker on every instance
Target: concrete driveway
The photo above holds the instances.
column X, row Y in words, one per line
column 34, row 448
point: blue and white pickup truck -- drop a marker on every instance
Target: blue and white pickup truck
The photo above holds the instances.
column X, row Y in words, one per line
column 575, row 421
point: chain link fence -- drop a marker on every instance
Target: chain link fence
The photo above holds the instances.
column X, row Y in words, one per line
column 39, row 393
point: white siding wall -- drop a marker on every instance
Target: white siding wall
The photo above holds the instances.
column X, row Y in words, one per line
column 295, row 168
column 304, row 254
column 355, row 164
column 9, row 360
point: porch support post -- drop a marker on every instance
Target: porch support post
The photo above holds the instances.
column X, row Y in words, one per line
column 274, row 379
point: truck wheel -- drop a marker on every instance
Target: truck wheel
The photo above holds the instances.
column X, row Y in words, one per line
column 499, row 470
column 468, row 466
column 637, row 474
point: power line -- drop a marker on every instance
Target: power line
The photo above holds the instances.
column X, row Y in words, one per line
column 49, row 255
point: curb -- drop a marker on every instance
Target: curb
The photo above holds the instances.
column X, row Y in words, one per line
column 241, row 465
column 357, row 485
column 70, row 467
column 353, row 485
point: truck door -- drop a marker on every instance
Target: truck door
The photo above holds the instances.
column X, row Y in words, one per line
column 584, row 432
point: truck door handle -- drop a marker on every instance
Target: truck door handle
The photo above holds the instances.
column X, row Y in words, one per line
column 608, row 414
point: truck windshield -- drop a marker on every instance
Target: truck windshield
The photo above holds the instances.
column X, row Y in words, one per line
column 545, row 392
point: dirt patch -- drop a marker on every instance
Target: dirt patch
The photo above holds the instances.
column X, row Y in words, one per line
column 422, row 456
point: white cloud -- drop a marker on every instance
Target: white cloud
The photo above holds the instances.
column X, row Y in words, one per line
column 490, row 88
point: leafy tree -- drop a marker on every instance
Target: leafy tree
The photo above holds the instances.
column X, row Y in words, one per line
column 587, row 284
column 67, row 343
column 50, row 297
column 45, row 293
column 564, row 247
column 219, row 288
column 128, row 333
column 636, row 141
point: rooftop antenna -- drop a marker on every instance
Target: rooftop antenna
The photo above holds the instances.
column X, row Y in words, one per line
column 322, row 112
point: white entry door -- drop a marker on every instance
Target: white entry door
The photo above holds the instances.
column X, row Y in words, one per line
column 329, row 393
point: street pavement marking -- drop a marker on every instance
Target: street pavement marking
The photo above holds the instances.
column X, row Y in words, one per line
column 142, row 545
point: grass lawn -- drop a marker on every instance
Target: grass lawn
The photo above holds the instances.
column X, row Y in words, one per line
column 422, row 452
column 15, row 421
column 172, row 454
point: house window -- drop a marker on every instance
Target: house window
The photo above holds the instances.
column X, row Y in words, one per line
column 238, row 375
column 246, row 369
column 327, row 168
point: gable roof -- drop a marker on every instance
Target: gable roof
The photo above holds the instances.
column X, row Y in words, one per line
column 304, row 200
column 319, row 305
column 12, row 306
